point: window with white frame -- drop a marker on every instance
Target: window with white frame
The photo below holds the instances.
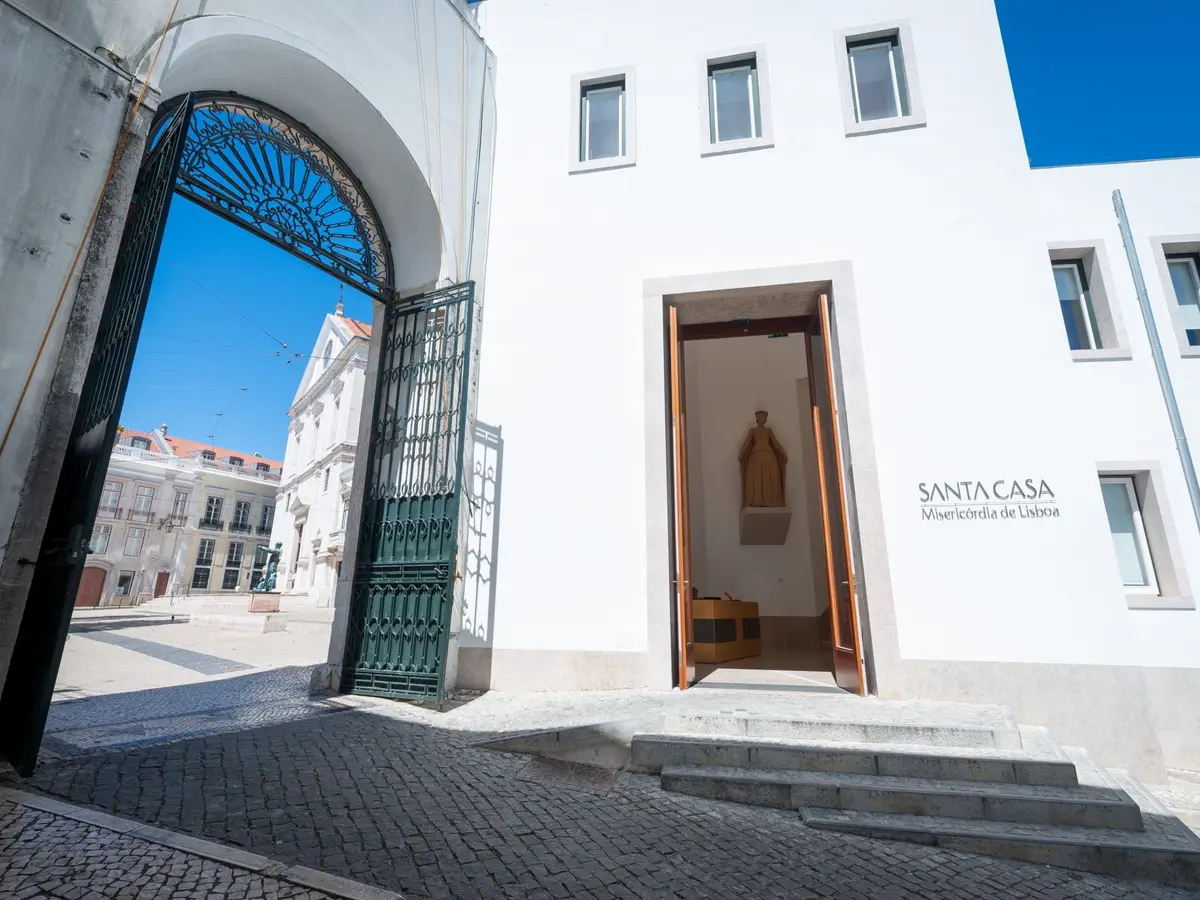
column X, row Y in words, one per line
column 134, row 539
column 1185, row 279
column 734, row 105
column 139, row 443
column 1128, row 530
column 212, row 510
column 233, row 564
column 100, row 536
column 110, row 499
column 262, row 467
column 266, row 518
column 878, row 85
column 143, row 501
column 124, row 584
column 602, row 120
column 1075, row 302
column 204, row 560
column 179, row 508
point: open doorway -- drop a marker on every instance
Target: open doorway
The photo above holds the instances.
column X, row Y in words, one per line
column 764, row 584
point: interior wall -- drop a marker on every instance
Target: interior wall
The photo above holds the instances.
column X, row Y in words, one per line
column 726, row 381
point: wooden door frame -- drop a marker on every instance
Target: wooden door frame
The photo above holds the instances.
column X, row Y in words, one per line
column 829, row 520
column 807, row 326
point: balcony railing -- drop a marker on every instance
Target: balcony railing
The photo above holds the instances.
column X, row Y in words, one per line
column 239, row 527
column 263, row 529
column 210, row 524
column 138, row 515
column 110, row 512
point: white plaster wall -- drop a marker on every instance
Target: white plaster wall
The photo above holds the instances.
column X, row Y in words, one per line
column 967, row 371
column 727, row 380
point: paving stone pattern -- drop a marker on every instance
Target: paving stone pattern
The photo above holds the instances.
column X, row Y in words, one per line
column 48, row 856
column 415, row 809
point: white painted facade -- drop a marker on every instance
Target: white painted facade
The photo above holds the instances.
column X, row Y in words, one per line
column 162, row 498
column 318, row 467
column 933, row 239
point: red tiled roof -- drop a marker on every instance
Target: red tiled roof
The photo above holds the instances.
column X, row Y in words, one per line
column 357, row 328
column 184, row 447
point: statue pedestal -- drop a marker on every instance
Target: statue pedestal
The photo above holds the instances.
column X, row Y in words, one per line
column 264, row 602
column 764, row 524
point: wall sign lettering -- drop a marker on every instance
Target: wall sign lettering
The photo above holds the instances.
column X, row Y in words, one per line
column 1003, row 498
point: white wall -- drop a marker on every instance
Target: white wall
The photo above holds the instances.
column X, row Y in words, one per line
column 967, row 371
column 727, row 380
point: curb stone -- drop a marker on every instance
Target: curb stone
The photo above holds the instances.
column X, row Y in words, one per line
column 302, row 876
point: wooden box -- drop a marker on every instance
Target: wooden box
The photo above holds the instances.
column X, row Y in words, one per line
column 725, row 629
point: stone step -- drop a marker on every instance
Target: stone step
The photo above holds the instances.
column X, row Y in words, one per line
column 842, row 728
column 651, row 752
column 1089, row 807
column 1162, row 854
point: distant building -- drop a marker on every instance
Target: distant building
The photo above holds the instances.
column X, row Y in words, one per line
column 177, row 516
column 314, row 494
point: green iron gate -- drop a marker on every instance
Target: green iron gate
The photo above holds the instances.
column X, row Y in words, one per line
column 59, row 566
column 405, row 574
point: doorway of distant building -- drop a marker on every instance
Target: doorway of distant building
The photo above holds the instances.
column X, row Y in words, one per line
column 763, row 594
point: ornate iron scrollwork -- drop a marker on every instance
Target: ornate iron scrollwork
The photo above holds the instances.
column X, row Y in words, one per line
column 263, row 170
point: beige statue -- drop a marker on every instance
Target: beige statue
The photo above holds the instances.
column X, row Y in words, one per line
column 764, row 464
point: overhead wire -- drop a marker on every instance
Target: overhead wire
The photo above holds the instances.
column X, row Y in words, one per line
column 87, row 231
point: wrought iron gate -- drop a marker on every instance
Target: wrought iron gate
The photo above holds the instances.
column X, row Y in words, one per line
column 405, row 575
column 58, row 568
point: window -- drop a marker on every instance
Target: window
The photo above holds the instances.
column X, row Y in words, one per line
column 878, row 80
column 241, row 513
column 212, row 512
column 266, row 519
column 345, row 513
column 1128, row 531
column 325, row 486
column 236, row 461
column 734, row 111
column 100, row 536
column 1185, row 279
column 124, row 584
column 602, row 120
column 111, row 498
column 179, row 508
column 134, row 540
column 143, row 501
column 1078, row 314
column 877, row 83
column 139, row 443
column 204, row 559
column 233, row 563
column 328, row 353
column 262, row 467
column 208, row 454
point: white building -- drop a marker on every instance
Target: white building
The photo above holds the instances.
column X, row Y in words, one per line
column 972, row 376
column 177, row 516
column 318, row 465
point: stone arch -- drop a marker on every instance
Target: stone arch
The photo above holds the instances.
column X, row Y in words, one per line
column 264, row 62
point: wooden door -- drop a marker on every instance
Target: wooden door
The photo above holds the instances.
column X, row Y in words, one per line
column 91, row 584
column 686, row 657
column 847, row 658
column 160, row 583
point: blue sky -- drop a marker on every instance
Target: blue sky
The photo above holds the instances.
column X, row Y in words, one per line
column 1104, row 80
column 1095, row 81
column 196, row 354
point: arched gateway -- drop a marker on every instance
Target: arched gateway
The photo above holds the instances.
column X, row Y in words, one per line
column 258, row 168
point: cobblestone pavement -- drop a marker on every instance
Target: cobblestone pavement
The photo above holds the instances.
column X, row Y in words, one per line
column 117, row 721
column 414, row 808
column 47, row 856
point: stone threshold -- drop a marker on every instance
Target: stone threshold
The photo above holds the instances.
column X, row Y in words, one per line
column 301, row 876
